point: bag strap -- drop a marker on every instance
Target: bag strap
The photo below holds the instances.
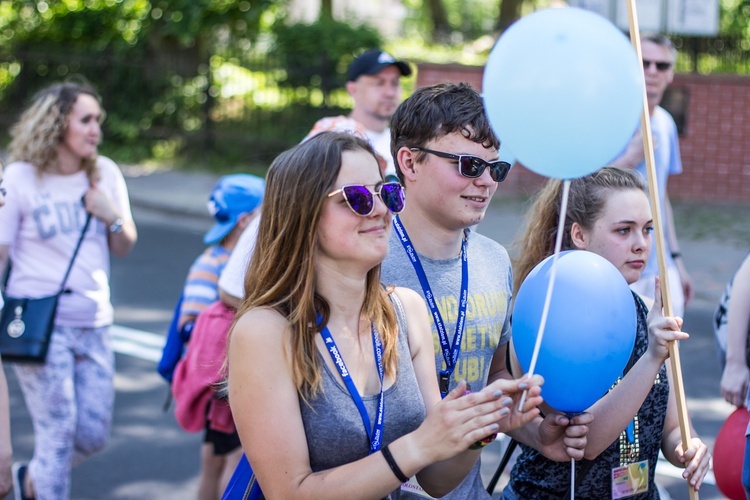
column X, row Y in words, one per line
column 75, row 252
column 70, row 264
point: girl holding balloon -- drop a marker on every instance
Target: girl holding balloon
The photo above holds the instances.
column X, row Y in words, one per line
column 609, row 214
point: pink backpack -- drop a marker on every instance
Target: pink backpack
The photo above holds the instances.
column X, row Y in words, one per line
column 199, row 371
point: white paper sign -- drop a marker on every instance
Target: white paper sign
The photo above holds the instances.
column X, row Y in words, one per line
column 680, row 17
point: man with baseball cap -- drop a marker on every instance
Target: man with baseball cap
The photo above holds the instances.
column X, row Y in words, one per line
column 374, row 82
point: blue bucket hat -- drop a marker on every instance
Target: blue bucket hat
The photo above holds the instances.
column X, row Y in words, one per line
column 233, row 196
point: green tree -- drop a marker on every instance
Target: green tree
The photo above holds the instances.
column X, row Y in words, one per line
column 454, row 21
column 316, row 55
column 148, row 58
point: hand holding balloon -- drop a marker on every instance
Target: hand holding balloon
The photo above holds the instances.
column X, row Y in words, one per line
column 564, row 438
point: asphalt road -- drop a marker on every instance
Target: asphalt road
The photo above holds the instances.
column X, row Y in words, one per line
column 149, row 456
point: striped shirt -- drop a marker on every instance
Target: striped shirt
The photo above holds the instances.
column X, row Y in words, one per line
column 201, row 286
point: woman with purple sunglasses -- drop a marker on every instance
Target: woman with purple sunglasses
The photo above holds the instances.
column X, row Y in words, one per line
column 331, row 376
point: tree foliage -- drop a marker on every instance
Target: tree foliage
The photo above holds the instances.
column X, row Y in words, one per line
column 312, row 64
column 148, row 57
column 456, row 21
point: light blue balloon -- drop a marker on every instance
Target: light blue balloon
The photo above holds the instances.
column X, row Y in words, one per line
column 563, row 88
column 590, row 329
column 505, row 154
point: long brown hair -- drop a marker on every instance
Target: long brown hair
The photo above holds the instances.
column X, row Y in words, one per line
column 42, row 126
column 586, row 201
column 281, row 271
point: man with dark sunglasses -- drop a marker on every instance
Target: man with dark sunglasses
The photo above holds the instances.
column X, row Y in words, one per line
column 446, row 157
column 659, row 56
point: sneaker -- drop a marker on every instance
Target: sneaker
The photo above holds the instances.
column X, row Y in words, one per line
column 19, row 477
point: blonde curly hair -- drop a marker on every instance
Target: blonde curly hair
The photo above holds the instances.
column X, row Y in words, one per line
column 42, row 127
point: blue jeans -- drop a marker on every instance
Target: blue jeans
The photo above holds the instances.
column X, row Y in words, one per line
column 746, row 468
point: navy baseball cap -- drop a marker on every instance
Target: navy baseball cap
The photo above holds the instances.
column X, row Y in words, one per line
column 233, row 196
column 373, row 61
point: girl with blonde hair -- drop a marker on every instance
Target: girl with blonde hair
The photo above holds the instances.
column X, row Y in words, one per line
column 609, row 214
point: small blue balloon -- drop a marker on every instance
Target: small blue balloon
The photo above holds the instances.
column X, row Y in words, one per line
column 563, row 88
column 590, row 330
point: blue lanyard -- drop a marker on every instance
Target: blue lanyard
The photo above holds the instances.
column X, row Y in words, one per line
column 450, row 353
column 630, row 432
column 376, row 435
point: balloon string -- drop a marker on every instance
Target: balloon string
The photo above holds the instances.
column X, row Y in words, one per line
column 550, row 285
column 572, row 479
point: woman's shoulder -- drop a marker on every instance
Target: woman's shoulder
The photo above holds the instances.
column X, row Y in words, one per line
column 105, row 162
column 408, row 297
column 18, row 170
column 260, row 324
column 108, row 169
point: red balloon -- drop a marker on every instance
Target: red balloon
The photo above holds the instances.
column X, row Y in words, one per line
column 729, row 453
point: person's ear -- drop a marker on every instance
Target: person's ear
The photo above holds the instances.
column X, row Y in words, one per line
column 406, row 162
column 351, row 87
column 578, row 236
column 244, row 220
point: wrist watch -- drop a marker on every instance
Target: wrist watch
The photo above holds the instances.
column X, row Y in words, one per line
column 116, row 226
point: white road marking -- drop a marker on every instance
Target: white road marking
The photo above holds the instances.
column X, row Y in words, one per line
column 137, row 343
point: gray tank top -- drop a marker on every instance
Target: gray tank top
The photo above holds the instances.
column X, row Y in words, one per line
column 333, row 426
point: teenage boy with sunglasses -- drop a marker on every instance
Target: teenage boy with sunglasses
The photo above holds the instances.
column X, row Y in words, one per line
column 446, row 156
column 659, row 56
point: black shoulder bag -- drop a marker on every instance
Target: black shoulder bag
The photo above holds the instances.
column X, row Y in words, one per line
column 26, row 324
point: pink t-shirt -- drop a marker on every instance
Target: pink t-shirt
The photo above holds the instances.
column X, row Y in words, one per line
column 41, row 222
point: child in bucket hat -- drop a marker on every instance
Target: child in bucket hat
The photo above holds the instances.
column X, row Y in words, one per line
column 234, row 203
column 233, row 197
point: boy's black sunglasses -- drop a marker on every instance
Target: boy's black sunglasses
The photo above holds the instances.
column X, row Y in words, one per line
column 473, row 166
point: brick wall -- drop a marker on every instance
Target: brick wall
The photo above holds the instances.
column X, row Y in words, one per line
column 715, row 142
